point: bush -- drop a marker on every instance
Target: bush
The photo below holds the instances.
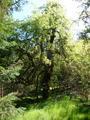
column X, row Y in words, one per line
column 8, row 111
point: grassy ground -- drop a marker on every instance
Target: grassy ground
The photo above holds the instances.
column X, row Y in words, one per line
column 64, row 109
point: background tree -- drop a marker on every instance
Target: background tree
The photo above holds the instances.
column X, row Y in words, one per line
column 8, row 69
column 85, row 17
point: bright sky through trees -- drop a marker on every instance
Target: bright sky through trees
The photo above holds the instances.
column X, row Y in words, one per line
column 70, row 6
column 72, row 9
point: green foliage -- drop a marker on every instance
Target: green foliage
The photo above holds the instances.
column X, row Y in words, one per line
column 7, row 107
column 79, row 67
column 8, row 67
column 37, row 59
column 65, row 109
column 6, row 6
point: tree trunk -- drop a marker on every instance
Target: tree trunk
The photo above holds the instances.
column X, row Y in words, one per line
column 46, row 79
column 48, row 67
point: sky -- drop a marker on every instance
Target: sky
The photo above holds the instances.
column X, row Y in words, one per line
column 71, row 7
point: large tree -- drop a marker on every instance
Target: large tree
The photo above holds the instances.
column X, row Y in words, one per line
column 44, row 37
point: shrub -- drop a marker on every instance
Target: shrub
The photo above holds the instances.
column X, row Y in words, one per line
column 8, row 111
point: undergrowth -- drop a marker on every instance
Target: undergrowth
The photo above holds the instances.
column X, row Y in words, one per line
column 63, row 109
column 8, row 111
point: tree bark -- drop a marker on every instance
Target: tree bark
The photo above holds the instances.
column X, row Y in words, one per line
column 46, row 79
column 48, row 67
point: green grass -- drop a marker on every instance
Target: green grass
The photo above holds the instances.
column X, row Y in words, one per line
column 64, row 109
